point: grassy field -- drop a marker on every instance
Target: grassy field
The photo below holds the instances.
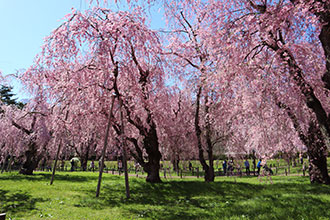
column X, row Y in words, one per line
column 73, row 197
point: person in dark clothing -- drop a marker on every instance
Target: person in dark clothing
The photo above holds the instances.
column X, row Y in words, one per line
column 72, row 165
column 247, row 167
column 268, row 169
column 224, row 167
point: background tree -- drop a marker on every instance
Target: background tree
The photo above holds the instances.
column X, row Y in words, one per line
column 26, row 135
column 277, row 42
column 99, row 53
column 269, row 41
column 7, row 96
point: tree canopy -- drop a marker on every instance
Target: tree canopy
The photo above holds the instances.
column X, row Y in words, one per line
column 249, row 77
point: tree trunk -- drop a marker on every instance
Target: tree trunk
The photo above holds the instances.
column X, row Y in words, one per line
column 152, row 170
column 10, row 163
column 306, row 90
column 151, row 145
column 126, row 172
column 318, row 172
column 322, row 13
column 324, row 18
column 31, row 160
column 124, row 149
column 209, row 173
column 175, row 162
column 4, row 163
column 84, row 158
column 325, row 40
column 317, row 150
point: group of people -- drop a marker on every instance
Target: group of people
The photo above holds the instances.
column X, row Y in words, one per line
column 228, row 168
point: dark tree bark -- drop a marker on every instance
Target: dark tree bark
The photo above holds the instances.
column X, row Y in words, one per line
column 325, row 40
column 150, row 138
column 322, row 12
column 151, row 145
column 84, row 157
column 175, row 155
column 31, row 157
column 209, row 174
column 317, row 153
column 5, row 162
column 318, row 137
column 84, row 153
column 124, row 150
column 312, row 141
column 175, row 162
column 316, row 148
column 208, row 170
column 312, row 102
column 31, row 160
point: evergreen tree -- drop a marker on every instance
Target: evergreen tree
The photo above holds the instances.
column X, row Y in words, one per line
column 7, row 96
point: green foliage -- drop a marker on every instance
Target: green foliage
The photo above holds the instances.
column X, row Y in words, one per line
column 73, row 197
column 7, row 97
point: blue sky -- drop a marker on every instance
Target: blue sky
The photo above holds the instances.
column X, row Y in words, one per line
column 25, row 23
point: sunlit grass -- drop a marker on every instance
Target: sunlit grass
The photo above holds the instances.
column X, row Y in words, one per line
column 73, row 197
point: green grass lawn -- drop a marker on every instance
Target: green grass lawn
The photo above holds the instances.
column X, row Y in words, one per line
column 73, row 197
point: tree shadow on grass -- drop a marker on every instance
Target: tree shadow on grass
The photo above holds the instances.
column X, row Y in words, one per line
column 218, row 200
column 17, row 202
column 60, row 176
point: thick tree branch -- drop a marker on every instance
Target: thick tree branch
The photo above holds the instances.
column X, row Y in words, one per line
column 306, row 89
column 28, row 132
column 294, row 121
column 139, row 155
